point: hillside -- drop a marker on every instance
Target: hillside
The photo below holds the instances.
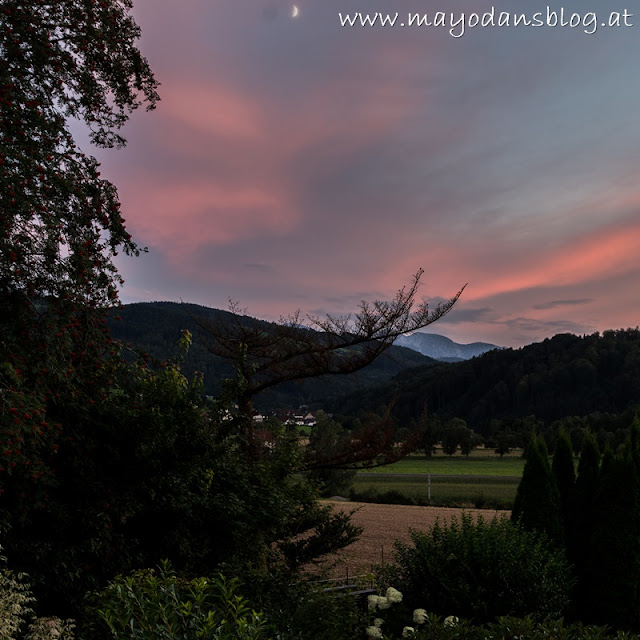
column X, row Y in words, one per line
column 155, row 327
column 566, row 375
column 443, row 348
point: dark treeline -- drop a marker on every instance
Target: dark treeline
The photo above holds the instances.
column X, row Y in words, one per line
column 594, row 516
column 564, row 378
column 579, row 383
column 155, row 328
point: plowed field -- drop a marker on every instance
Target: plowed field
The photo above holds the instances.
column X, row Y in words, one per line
column 383, row 525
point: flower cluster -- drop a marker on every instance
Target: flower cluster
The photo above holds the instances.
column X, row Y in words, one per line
column 420, row 616
column 392, row 596
column 375, row 630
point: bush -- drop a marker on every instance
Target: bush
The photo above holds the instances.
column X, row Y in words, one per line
column 304, row 608
column 17, row 619
column 148, row 605
column 480, row 570
column 435, row 628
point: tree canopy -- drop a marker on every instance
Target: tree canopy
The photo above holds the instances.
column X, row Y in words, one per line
column 61, row 222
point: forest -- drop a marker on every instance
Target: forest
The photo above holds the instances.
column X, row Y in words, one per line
column 583, row 381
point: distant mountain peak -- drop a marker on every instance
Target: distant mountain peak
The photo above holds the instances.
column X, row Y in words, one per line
column 442, row 348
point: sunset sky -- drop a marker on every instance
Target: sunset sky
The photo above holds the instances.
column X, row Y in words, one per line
column 295, row 163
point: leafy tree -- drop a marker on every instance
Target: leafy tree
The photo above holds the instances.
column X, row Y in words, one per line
column 449, row 442
column 265, row 357
column 106, row 467
column 505, row 441
column 454, row 431
column 114, row 491
column 60, row 226
column 469, row 440
column 537, row 503
column 430, row 427
column 149, row 473
column 61, row 222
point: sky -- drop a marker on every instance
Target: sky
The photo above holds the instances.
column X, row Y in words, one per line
column 294, row 163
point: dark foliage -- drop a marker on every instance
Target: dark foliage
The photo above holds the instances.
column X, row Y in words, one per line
column 154, row 328
column 566, row 375
column 481, row 570
column 565, row 478
column 611, row 593
column 537, row 503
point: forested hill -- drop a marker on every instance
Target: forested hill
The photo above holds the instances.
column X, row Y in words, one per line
column 566, row 375
column 155, row 327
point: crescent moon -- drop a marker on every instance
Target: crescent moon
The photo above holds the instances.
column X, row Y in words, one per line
column 294, row 11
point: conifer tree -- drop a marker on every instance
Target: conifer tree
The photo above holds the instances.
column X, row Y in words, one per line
column 585, row 491
column 580, row 527
column 537, row 504
column 610, row 582
column 564, row 476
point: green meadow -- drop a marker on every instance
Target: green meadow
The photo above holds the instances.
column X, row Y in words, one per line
column 481, row 480
column 479, row 463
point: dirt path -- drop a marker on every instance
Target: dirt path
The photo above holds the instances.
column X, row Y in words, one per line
column 383, row 525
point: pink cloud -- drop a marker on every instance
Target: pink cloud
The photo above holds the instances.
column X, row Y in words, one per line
column 602, row 254
column 180, row 217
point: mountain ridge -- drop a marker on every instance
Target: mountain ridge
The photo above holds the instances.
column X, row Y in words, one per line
column 155, row 328
column 442, row 348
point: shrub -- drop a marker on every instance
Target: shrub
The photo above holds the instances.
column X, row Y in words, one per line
column 15, row 601
column 17, row 619
column 305, row 609
column 480, row 570
column 423, row 625
column 148, row 605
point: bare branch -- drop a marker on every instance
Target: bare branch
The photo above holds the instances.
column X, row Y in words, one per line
column 268, row 354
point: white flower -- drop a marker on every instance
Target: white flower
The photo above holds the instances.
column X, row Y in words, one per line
column 451, row 621
column 393, row 595
column 372, row 602
column 383, row 603
column 373, row 632
column 378, row 622
column 419, row 616
column 407, row 632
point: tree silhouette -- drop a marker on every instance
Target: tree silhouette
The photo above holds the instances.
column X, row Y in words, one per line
column 537, row 503
column 565, row 478
column 61, row 222
column 292, row 350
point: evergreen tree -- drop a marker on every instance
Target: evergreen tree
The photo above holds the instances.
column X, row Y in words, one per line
column 580, row 527
column 610, row 582
column 564, row 476
column 537, row 504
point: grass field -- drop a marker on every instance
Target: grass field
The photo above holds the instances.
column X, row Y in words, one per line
column 479, row 463
column 483, row 480
column 496, row 492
